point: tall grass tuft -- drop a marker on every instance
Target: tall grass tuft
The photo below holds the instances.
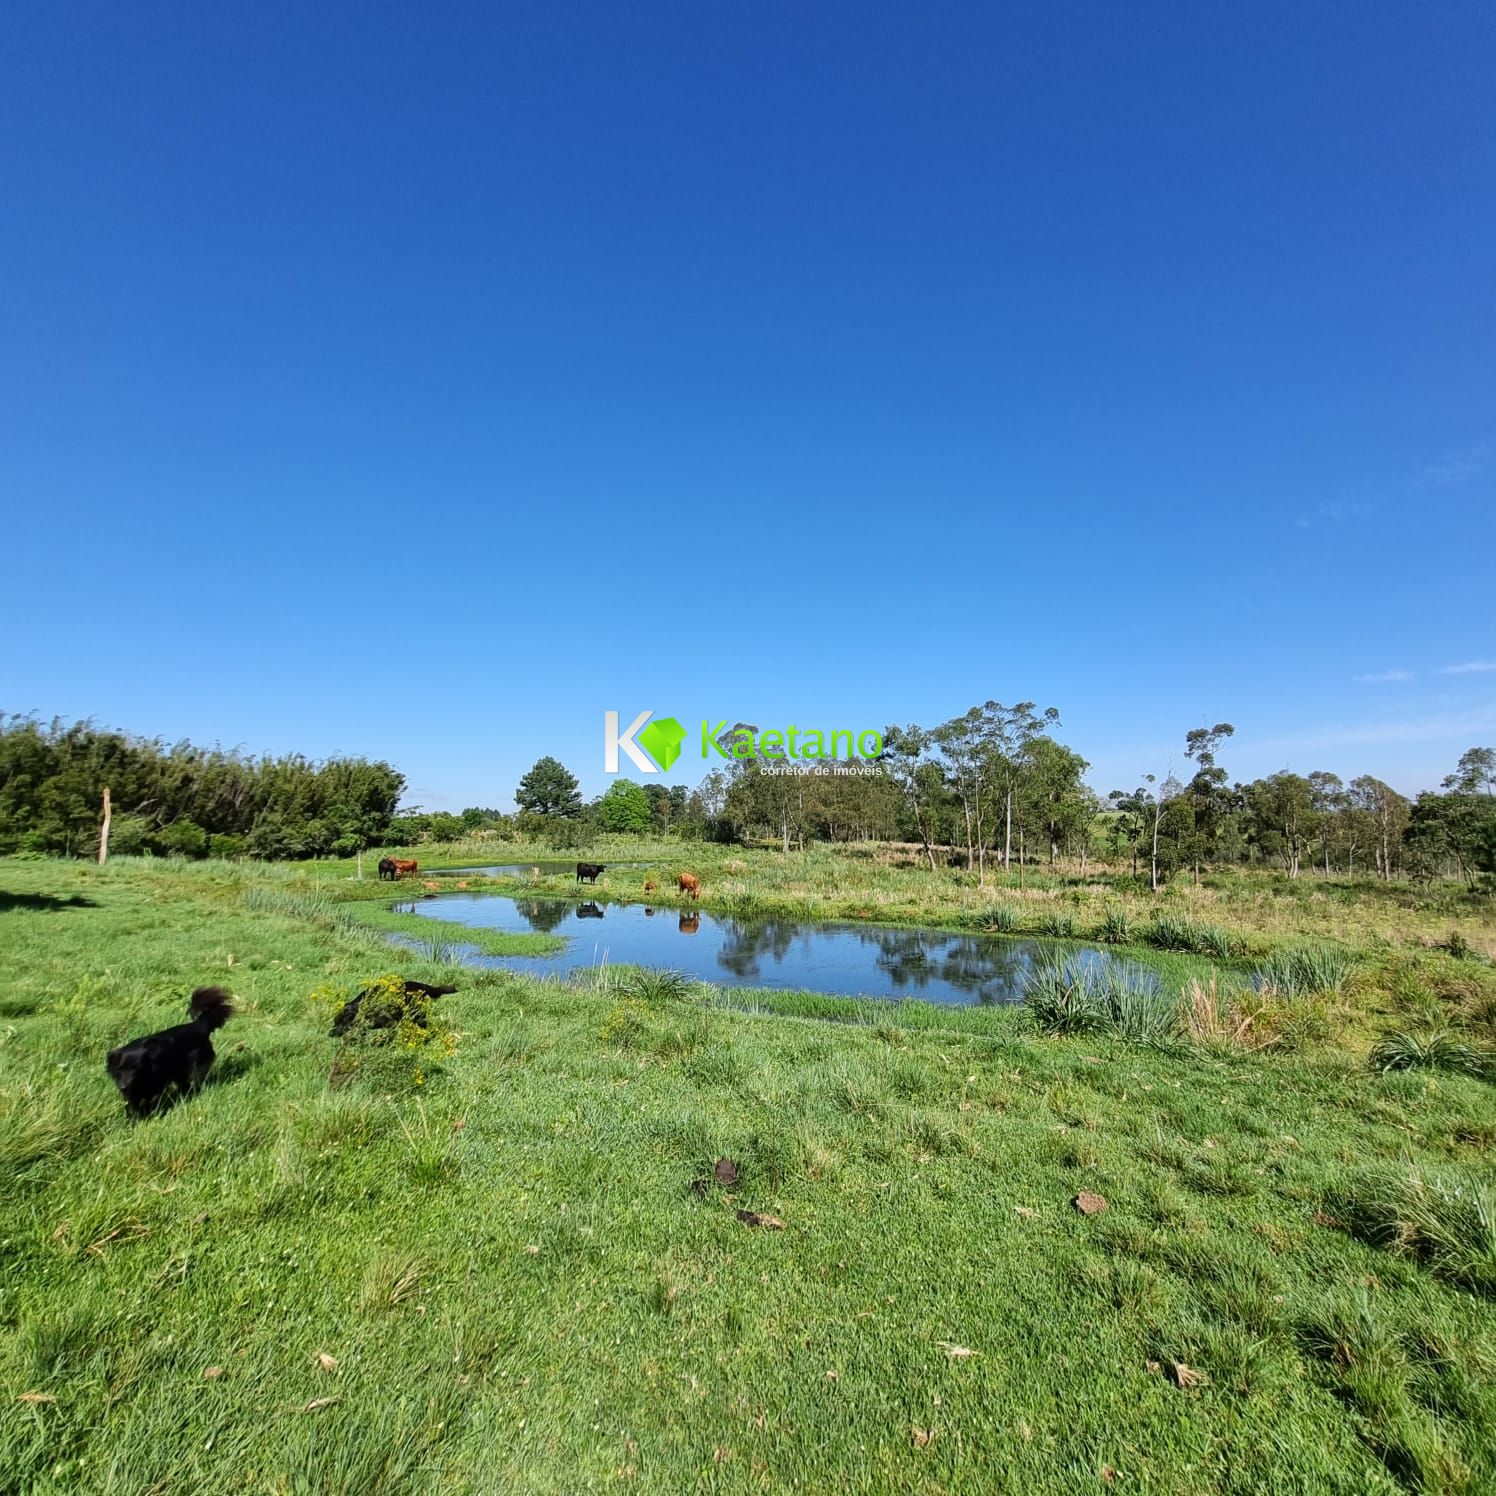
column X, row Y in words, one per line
column 312, row 905
column 1212, row 940
column 1066, row 996
column 1062, row 926
column 1213, row 1017
column 655, row 985
column 1167, row 932
column 1304, row 970
column 1115, row 927
column 1000, row 919
column 1428, row 1049
column 1447, row 1225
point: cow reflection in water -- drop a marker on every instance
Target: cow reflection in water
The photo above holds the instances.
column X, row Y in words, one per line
column 648, row 912
column 689, row 923
column 589, row 911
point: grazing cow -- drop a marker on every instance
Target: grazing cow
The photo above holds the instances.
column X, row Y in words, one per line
column 386, row 869
column 404, row 866
column 589, row 911
column 689, row 923
column 649, row 885
column 587, row 871
column 689, row 883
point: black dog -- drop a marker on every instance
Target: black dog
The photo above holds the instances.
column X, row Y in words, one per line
column 385, row 1017
column 144, row 1069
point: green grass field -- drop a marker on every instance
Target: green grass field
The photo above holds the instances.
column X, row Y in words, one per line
column 499, row 1261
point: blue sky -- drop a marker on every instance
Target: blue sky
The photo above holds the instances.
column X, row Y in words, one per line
column 424, row 381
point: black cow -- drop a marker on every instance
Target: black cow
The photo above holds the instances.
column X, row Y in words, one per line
column 587, row 871
column 589, row 911
column 386, row 869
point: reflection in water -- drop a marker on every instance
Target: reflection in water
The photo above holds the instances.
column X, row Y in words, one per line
column 936, row 965
column 912, row 960
column 542, row 914
column 747, row 945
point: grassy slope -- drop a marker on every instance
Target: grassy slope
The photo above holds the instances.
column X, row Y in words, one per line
column 520, row 1289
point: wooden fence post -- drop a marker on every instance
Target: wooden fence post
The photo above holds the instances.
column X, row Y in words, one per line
column 104, row 830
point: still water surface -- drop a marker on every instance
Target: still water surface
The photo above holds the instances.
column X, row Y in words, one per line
column 851, row 960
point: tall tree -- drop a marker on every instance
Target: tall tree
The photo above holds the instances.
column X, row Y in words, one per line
column 1388, row 813
column 960, row 745
column 1330, row 803
column 1281, row 809
column 1476, row 773
column 1007, row 735
column 1055, row 797
column 1209, row 799
column 549, row 789
column 624, row 807
column 1145, row 808
column 908, row 758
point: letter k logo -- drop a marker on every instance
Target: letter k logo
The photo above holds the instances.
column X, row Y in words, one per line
column 613, row 740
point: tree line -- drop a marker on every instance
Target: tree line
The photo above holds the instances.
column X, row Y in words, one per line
column 181, row 799
column 991, row 788
column 995, row 788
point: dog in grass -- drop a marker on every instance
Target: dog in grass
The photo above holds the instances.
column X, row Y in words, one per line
column 388, row 1013
column 146, row 1069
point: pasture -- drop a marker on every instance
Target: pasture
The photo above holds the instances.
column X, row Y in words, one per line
column 505, row 1259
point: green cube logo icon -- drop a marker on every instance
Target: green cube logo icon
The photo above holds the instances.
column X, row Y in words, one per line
column 661, row 740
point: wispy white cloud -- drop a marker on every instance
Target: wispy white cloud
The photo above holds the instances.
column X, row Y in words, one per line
column 1457, row 467
column 1337, row 513
column 1384, row 678
column 1470, row 667
column 1447, row 726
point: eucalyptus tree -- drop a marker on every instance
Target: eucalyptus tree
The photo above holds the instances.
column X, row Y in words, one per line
column 1208, row 796
column 1330, row 801
column 959, row 742
column 1476, row 773
column 1007, row 735
column 1145, row 808
column 1054, row 796
column 908, row 758
column 1281, row 810
column 1132, row 809
column 1388, row 814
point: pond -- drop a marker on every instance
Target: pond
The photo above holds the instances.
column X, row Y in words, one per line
column 521, row 870
column 938, row 966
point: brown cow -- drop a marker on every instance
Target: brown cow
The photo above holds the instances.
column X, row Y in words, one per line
column 404, row 867
column 688, row 924
column 689, row 883
column 649, row 885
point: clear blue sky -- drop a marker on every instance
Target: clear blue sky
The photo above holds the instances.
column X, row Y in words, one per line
column 424, row 381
